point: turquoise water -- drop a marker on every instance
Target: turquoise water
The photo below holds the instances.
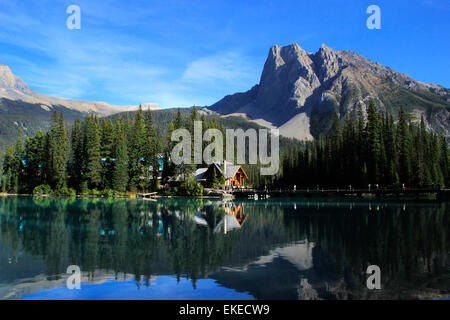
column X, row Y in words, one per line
column 234, row 250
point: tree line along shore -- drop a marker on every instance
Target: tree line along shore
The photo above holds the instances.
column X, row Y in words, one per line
column 111, row 157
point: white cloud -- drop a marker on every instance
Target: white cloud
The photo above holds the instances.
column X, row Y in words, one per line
column 224, row 67
column 105, row 61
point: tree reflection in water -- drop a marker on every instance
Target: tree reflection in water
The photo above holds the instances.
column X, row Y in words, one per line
column 199, row 238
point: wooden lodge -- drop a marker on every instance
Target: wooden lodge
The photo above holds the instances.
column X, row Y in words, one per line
column 234, row 175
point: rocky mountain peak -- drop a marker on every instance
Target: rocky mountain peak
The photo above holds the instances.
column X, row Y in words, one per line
column 292, row 54
column 325, row 48
column 327, row 63
column 274, row 60
column 299, row 92
column 8, row 81
column 288, row 77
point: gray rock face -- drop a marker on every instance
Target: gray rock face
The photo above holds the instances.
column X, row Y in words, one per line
column 298, row 91
column 327, row 63
column 10, row 82
column 287, row 81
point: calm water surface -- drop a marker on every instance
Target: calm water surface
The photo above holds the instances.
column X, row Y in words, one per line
column 204, row 249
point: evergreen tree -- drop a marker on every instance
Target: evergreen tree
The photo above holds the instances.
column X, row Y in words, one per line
column 445, row 162
column 178, row 121
column 214, row 178
column 374, row 144
column 137, row 151
column 120, row 171
column 107, row 138
column 77, row 160
column 13, row 166
column 35, row 160
column 120, row 175
column 360, row 152
column 404, row 148
column 168, row 169
column 107, row 144
column 58, row 147
column 390, row 169
column 92, row 167
column 152, row 147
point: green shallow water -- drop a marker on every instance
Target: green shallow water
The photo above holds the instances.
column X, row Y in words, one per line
column 210, row 249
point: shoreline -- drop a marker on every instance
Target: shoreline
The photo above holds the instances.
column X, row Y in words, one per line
column 129, row 197
column 215, row 197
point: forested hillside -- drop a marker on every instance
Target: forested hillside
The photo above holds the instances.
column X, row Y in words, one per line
column 120, row 154
column 28, row 117
column 105, row 155
column 376, row 153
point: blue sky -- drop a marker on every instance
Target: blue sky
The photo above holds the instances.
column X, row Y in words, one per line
column 180, row 53
column 163, row 288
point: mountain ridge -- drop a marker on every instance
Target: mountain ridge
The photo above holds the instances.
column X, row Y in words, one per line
column 27, row 110
column 14, row 88
column 299, row 91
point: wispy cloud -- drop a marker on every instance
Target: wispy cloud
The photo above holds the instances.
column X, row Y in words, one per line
column 179, row 53
column 229, row 67
column 105, row 61
column 75, row 65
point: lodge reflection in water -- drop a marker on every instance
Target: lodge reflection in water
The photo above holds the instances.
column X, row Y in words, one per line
column 234, row 218
column 198, row 239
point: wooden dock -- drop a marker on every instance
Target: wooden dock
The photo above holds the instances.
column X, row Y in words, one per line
column 150, row 195
column 441, row 194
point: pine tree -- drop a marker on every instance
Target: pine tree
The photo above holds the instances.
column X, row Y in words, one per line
column 168, row 169
column 178, row 121
column 13, row 165
column 137, row 150
column 190, row 121
column 120, row 171
column 422, row 173
column 119, row 133
column 35, row 160
column 127, row 130
column 58, row 146
column 349, row 148
column 10, row 171
column 184, row 170
column 214, row 178
column 92, row 167
column 404, row 148
column 107, row 143
column 107, row 138
column 362, row 147
column 374, row 143
column 390, row 169
column 445, row 162
column 77, row 160
column 334, row 152
column 151, row 149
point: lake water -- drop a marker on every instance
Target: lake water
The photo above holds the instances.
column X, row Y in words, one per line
column 210, row 249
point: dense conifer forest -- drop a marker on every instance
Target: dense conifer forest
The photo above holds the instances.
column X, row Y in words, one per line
column 109, row 156
column 370, row 149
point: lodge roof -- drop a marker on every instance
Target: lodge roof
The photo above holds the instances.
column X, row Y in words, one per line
column 199, row 174
column 231, row 169
column 229, row 174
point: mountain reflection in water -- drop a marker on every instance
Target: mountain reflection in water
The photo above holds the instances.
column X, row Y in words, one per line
column 271, row 249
